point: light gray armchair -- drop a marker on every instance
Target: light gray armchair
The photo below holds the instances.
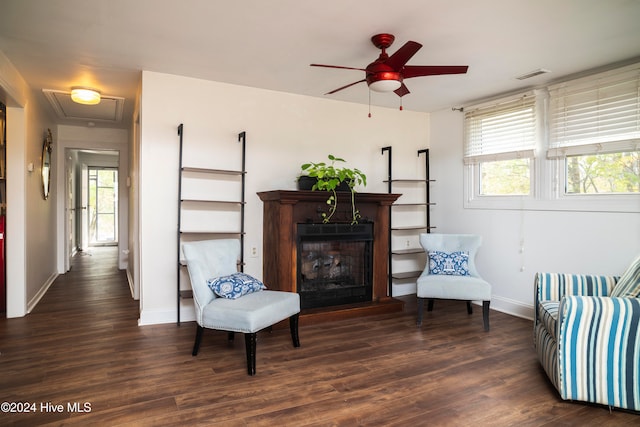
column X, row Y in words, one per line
column 249, row 313
column 451, row 273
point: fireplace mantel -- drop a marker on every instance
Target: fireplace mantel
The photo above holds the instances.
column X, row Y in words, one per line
column 284, row 209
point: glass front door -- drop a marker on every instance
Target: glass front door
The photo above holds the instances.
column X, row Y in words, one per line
column 103, row 206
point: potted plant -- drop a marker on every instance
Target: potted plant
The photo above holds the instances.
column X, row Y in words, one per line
column 329, row 177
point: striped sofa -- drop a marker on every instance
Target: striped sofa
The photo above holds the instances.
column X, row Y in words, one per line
column 588, row 339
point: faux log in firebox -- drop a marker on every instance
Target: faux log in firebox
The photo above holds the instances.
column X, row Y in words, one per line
column 284, row 210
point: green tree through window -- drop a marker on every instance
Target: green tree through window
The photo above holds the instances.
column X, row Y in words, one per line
column 505, row 177
column 604, row 173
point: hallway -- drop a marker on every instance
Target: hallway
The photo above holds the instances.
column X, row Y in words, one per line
column 92, row 287
column 64, row 347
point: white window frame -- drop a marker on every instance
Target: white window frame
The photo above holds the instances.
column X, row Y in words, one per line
column 474, row 156
column 617, row 138
column 548, row 171
column 605, row 202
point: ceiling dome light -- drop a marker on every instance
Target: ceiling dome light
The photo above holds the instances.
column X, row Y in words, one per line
column 385, row 85
column 85, row 96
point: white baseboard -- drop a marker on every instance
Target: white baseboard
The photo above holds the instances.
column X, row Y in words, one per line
column 147, row 317
column 187, row 312
column 131, row 286
column 512, row 307
column 43, row 290
column 509, row 306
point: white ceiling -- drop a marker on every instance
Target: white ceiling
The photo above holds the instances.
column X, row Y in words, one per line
column 57, row 44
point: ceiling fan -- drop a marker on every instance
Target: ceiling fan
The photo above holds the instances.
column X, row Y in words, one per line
column 387, row 73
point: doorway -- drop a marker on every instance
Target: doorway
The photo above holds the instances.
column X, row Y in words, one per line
column 92, row 200
column 102, row 221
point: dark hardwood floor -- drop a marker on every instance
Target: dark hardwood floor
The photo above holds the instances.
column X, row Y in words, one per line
column 81, row 348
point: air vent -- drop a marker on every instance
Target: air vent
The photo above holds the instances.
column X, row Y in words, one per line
column 533, row 74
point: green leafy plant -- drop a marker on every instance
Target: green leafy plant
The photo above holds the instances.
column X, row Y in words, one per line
column 329, row 176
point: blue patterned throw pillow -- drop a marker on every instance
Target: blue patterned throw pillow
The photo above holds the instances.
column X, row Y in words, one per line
column 235, row 285
column 450, row 264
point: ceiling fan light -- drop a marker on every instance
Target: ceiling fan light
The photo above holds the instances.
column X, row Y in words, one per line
column 385, row 85
column 85, row 96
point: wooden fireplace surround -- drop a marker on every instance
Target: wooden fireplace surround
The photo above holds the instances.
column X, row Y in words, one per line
column 284, row 209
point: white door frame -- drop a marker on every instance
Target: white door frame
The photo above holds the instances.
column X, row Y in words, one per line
column 84, row 206
column 75, row 137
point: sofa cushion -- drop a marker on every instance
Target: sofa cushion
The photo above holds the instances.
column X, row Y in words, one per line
column 628, row 285
column 235, row 285
column 449, row 263
column 548, row 315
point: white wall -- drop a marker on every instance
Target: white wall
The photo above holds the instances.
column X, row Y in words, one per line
column 554, row 241
column 283, row 131
column 30, row 228
column 40, row 213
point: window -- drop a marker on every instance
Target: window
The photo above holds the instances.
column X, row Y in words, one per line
column 500, row 140
column 505, row 177
column 603, row 173
column 590, row 130
column 595, row 132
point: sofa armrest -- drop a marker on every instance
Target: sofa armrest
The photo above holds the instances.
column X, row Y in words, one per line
column 554, row 286
column 599, row 350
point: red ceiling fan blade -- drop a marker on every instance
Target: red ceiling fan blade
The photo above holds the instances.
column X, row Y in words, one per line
column 402, row 55
column 393, row 67
column 344, row 87
column 337, row 66
column 402, row 91
column 432, row 70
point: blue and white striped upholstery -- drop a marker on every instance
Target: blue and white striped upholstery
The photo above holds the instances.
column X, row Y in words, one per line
column 629, row 283
column 553, row 286
column 588, row 342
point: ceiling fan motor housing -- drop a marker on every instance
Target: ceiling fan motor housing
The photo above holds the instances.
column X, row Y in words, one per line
column 379, row 72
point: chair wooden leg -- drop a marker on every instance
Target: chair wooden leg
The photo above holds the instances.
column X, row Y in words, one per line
column 430, row 305
column 196, row 344
column 420, row 311
column 250, row 344
column 469, row 308
column 485, row 314
column 293, row 326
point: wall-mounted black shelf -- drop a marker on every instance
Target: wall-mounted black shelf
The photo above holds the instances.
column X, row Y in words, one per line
column 417, row 228
column 210, row 204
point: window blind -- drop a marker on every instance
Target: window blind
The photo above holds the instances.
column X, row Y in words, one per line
column 503, row 130
column 595, row 114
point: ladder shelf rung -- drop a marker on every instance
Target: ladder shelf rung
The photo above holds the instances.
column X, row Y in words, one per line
column 407, row 251
column 406, row 275
column 212, row 171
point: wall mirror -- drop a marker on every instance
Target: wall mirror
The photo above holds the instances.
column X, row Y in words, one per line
column 46, row 164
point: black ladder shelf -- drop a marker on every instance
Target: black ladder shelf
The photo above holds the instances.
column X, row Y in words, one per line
column 210, row 205
column 418, row 228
